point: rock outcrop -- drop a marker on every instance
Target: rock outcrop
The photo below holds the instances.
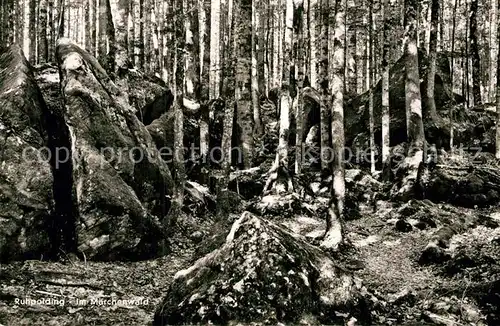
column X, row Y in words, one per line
column 120, row 183
column 262, row 273
column 26, row 196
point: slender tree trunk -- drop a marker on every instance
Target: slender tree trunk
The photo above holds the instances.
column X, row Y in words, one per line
column 103, row 35
column 32, row 31
column 334, row 230
column 43, row 46
column 204, row 80
column 386, row 119
column 258, row 130
column 452, row 70
column 370, row 82
column 322, row 66
column 493, row 47
column 498, row 92
column 313, row 42
column 285, row 99
column 88, row 27
column 474, row 46
column 214, row 75
column 299, row 114
column 431, row 73
column 142, row 14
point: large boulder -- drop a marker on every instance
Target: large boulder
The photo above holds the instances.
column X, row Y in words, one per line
column 263, row 273
column 119, row 180
column 26, row 197
column 356, row 110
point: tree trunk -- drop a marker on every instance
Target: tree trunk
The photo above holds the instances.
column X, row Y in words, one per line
column 431, row 73
column 322, row 73
column 386, row 134
column 223, row 207
column 299, row 114
column 147, row 36
column 498, row 92
column 142, row 15
column 413, row 103
column 493, row 47
column 454, row 15
column 474, row 46
column 204, row 80
column 370, row 82
column 120, row 10
column 214, row 75
column 43, row 46
column 334, row 229
column 313, row 42
column 258, row 130
column 103, row 35
column 178, row 90
column 243, row 81
column 32, row 31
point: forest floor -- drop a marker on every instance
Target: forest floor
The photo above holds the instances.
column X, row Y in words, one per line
column 406, row 292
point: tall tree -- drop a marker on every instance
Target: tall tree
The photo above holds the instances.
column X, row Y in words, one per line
column 32, row 31
column 386, row 119
column 322, row 74
column 454, row 14
column 43, row 46
column 244, row 111
column 334, row 230
column 258, row 130
column 103, row 36
column 204, row 79
column 214, row 75
column 369, row 82
column 431, row 73
column 498, row 92
column 413, row 103
column 299, row 113
column 474, row 47
column 179, row 172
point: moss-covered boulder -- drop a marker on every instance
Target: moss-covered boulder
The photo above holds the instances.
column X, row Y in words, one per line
column 120, row 183
column 263, row 273
column 26, row 198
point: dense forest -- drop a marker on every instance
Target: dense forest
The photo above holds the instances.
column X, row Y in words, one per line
column 308, row 162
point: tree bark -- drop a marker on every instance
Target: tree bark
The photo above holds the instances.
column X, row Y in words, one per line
column 214, row 75
column 178, row 91
column 222, row 189
column 386, row 135
column 43, row 46
column 258, row 130
column 322, row 67
column 32, row 31
column 431, row 73
column 370, row 82
column 498, row 92
column 474, row 46
column 103, row 35
column 299, row 114
column 120, row 11
column 334, row 230
column 243, row 81
column 413, row 103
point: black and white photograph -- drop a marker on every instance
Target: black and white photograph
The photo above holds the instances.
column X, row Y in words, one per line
column 249, row 162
